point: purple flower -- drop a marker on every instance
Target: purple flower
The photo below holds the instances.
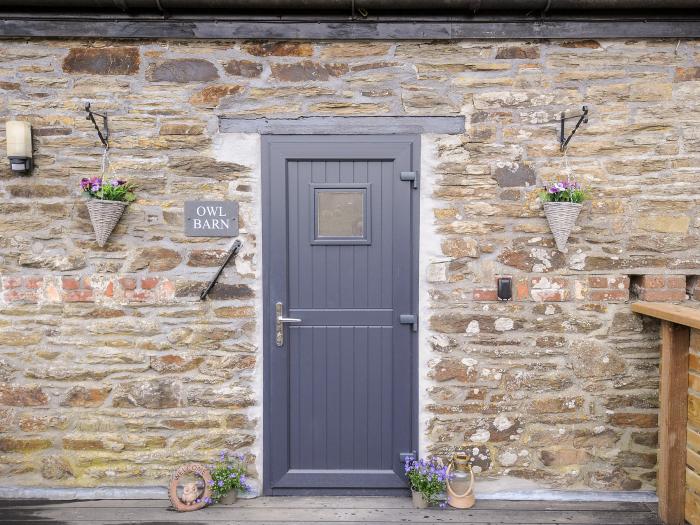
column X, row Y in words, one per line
column 221, row 483
column 557, row 187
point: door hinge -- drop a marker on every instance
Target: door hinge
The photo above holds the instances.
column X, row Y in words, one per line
column 411, row 319
column 410, row 176
column 407, row 456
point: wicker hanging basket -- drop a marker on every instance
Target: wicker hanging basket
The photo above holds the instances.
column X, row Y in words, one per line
column 104, row 216
column 561, row 217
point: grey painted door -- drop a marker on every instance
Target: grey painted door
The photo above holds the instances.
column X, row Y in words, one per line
column 340, row 256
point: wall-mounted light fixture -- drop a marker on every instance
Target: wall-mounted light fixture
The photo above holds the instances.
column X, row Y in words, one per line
column 18, row 135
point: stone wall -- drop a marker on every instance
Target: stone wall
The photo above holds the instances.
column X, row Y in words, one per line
column 113, row 372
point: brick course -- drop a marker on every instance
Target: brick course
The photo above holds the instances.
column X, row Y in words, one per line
column 662, row 288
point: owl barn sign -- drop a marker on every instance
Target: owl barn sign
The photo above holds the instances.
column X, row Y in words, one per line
column 211, row 218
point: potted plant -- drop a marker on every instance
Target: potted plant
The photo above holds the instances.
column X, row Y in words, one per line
column 106, row 204
column 228, row 478
column 562, row 205
column 427, row 481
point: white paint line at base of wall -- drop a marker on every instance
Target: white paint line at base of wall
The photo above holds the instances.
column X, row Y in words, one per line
column 161, row 493
column 61, row 493
column 571, row 495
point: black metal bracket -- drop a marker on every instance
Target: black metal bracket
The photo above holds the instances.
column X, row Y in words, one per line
column 103, row 134
column 235, row 248
column 411, row 319
column 582, row 119
column 410, row 176
column 363, row 12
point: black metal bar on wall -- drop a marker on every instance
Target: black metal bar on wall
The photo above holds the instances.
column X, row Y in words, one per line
column 123, row 27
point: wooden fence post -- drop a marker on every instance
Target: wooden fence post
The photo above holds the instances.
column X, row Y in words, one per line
column 673, row 419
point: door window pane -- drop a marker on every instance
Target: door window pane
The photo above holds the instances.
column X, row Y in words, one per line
column 340, row 213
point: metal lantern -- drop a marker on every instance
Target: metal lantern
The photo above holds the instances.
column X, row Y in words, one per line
column 460, row 482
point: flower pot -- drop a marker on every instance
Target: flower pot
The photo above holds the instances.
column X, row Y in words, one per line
column 104, row 216
column 561, row 217
column 229, row 498
column 419, row 501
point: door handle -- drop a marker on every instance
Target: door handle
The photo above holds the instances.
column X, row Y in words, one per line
column 280, row 320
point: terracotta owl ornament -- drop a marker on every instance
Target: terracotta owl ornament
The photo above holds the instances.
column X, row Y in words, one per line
column 190, row 493
column 192, row 498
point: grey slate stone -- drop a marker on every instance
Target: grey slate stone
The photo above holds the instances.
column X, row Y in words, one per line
column 523, row 175
column 182, row 70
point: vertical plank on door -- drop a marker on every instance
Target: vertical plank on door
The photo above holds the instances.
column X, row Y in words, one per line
column 318, row 377
column 334, row 405
column 347, row 394
column 374, row 392
column 387, row 396
column 305, row 208
column 361, row 253
column 306, row 394
column 386, row 224
column 294, row 225
column 361, row 398
column 295, row 391
column 673, row 397
column 347, row 253
column 319, row 257
column 374, row 251
column 333, row 270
